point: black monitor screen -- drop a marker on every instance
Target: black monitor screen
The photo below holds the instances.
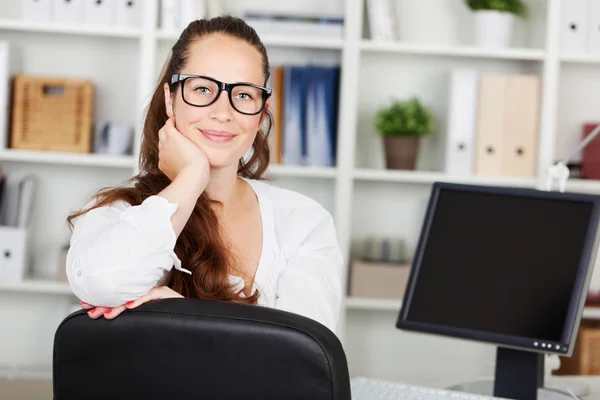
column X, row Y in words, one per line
column 500, row 263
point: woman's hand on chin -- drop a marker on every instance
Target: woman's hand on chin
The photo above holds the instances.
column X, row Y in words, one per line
column 159, row 292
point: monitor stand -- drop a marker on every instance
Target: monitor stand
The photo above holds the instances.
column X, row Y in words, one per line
column 519, row 375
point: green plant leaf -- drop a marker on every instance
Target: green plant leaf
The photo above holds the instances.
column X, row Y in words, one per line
column 404, row 118
column 516, row 7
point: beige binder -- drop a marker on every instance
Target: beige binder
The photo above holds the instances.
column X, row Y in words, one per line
column 507, row 125
column 490, row 125
column 520, row 146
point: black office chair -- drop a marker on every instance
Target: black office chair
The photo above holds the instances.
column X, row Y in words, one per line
column 198, row 349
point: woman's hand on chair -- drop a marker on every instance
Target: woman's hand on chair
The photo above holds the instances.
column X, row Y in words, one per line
column 159, row 292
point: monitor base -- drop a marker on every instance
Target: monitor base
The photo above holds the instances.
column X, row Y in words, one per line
column 554, row 389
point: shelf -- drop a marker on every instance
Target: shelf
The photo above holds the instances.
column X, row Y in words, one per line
column 580, row 58
column 428, row 177
column 39, row 287
column 12, row 372
column 458, row 51
column 277, row 41
column 84, row 159
column 78, row 29
column 361, row 303
column 301, row 171
column 583, row 185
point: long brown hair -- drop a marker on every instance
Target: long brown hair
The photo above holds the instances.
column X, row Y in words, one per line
column 201, row 246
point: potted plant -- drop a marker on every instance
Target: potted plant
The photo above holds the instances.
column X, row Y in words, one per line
column 494, row 20
column 402, row 125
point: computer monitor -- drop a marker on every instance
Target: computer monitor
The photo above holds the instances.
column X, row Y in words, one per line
column 507, row 266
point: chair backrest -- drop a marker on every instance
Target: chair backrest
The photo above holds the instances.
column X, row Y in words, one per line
column 198, row 349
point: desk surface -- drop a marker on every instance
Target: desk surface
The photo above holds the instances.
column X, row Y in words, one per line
column 42, row 389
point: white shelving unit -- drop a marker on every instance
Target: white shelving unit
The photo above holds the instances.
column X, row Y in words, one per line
column 364, row 198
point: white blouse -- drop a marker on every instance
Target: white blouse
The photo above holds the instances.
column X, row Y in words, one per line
column 119, row 252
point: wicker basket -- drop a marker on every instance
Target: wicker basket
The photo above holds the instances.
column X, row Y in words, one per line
column 586, row 355
column 52, row 114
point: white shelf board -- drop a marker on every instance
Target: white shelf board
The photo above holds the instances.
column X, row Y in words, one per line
column 393, row 305
column 428, row 177
column 363, row 303
column 583, row 185
column 277, row 40
column 84, row 159
column 37, row 286
column 301, row 171
column 13, row 372
column 581, row 58
column 78, row 29
column 591, row 313
column 458, row 51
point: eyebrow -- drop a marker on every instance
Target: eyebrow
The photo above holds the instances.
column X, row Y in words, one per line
column 231, row 83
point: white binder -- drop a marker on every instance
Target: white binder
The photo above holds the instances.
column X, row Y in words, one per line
column 14, row 254
column 36, row 10
column 191, row 10
column 128, row 13
column 593, row 27
column 462, row 108
column 98, row 12
column 574, row 31
column 68, row 11
column 10, row 64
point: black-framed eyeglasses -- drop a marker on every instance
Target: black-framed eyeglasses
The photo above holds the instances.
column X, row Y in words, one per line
column 202, row 91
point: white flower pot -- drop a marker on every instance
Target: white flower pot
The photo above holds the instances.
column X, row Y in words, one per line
column 428, row 21
column 493, row 29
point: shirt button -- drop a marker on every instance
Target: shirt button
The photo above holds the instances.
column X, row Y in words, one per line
column 78, row 273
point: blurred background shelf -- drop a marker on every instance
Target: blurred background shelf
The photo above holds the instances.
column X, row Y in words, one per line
column 277, row 40
column 394, row 305
column 457, row 51
column 37, row 286
column 363, row 303
column 34, row 372
column 427, row 177
column 49, row 157
column 580, row 58
column 277, row 170
column 76, row 29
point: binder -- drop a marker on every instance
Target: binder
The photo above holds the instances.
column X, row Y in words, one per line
column 68, row 11
column 275, row 137
column 462, row 108
column 519, row 152
column 593, row 27
column 574, row 29
column 14, row 254
column 294, row 114
column 321, row 116
column 191, row 10
column 490, row 125
column 10, row 65
column 128, row 13
column 98, row 12
column 36, row 10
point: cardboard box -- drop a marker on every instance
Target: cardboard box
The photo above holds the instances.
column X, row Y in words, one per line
column 378, row 280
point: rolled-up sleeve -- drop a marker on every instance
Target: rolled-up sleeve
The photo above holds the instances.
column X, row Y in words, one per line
column 119, row 252
column 310, row 283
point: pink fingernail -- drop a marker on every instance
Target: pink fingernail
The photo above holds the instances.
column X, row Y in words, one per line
column 129, row 303
column 93, row 310
column 107, row 312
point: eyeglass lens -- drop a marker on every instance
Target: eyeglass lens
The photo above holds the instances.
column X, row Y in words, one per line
column 201, row 92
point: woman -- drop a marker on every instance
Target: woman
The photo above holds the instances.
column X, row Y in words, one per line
column 197, row 221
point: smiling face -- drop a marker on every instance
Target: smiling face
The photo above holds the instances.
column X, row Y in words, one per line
column 223, row 133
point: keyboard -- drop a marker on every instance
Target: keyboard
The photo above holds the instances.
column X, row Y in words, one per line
column 374, row 389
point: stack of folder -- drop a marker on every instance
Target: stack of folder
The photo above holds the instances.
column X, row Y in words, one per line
column 304, row 104
column 493, row 124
